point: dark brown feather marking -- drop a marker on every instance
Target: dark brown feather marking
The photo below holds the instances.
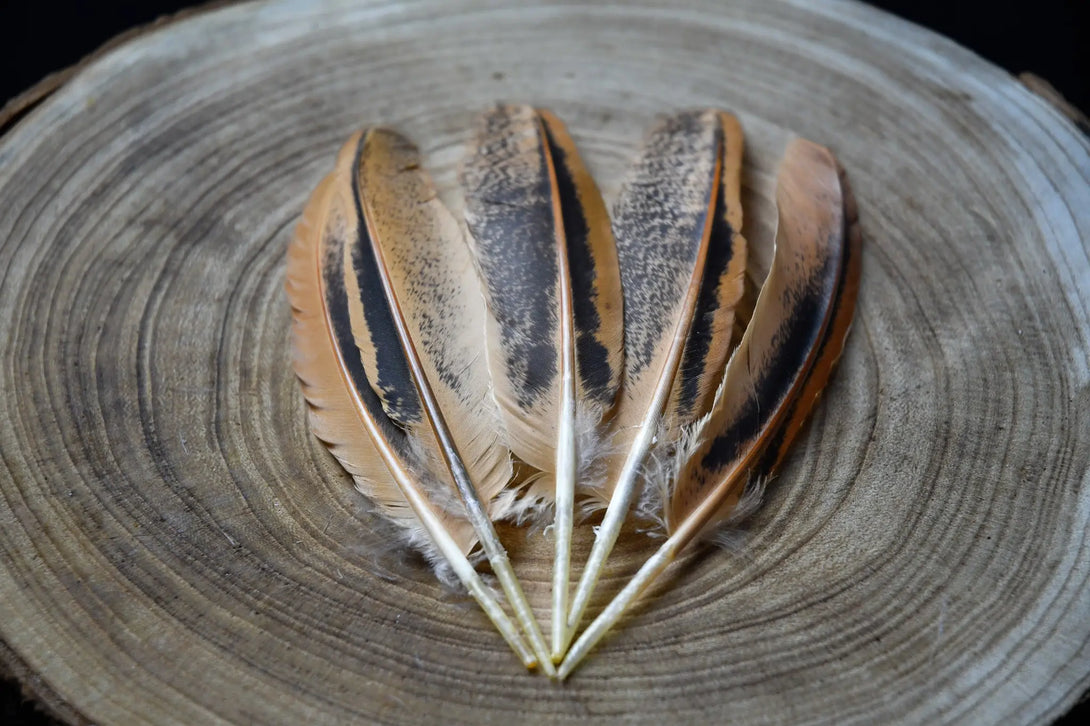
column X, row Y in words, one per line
column 833, row 344
column 793, row 343
column 393, row 380
column 657, row 223
column 510, row 217
column 544, row 248
column 592, row 356
column 701, row 334
column 794, row 338
column 336, row 301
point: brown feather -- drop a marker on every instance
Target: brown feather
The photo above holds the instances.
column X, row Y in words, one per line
column 540, row 234
column 436, row 289
column 335, row 416
column 543, row 244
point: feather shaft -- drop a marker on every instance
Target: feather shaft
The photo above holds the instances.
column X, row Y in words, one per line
column 566, row 455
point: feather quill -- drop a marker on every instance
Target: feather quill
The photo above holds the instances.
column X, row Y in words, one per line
column 546, row 255
column 799, row 326
column 682, row 259
column 384, row 320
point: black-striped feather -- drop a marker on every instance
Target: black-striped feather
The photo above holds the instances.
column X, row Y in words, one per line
column 345, row 412
column 407, row 236
column 555, row 338
column 334, row 381
column 527, row 197
column 677, row 223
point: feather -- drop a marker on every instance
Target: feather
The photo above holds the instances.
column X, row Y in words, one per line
column 434, row 283
column 377, row 269
column 546, row 255
column 797, row 333
column 682, row 262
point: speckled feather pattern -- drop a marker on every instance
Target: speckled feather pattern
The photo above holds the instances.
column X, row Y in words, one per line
column 528, row 198
column 658, row 222
column 428, row 262
column 682, row 262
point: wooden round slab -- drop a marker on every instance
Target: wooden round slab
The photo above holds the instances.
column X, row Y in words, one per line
column 175, row 547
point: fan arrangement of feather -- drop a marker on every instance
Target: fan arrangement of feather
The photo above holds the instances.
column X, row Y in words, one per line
column 608, row 343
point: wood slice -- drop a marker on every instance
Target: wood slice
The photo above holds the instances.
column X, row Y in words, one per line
column 175, row 547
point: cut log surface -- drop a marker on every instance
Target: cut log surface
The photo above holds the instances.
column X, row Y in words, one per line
column 175, row 547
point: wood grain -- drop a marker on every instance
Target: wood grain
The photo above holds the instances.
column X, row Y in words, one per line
column 176, row 548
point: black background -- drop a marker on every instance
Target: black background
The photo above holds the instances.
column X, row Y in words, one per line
column 1048, row 37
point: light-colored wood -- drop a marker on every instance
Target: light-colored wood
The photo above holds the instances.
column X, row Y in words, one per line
column 176, row 548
